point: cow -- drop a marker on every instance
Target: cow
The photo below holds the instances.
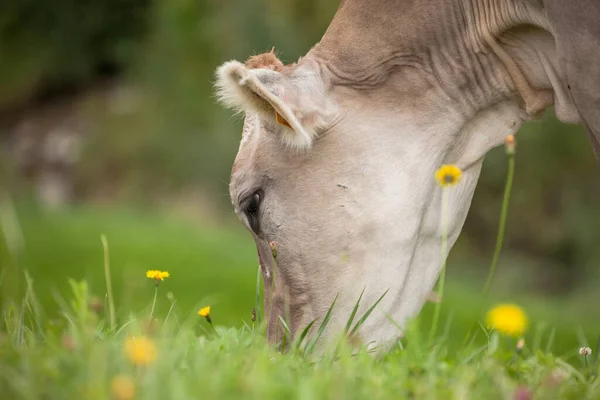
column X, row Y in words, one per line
column 339, row 150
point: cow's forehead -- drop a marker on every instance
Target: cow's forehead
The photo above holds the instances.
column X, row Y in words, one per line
column 257, row 133
column 249, row 144
column 251, row 122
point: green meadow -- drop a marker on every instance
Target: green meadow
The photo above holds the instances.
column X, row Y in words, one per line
column 54, row 345
column 111, row 105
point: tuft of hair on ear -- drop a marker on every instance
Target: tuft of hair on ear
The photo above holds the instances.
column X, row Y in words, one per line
column 227, row 86
column 239, row 88
column 265, row 61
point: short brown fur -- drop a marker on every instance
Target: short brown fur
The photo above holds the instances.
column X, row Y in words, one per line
column 266, row 61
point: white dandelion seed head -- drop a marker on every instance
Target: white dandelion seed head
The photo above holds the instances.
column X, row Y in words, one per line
column 585, row 351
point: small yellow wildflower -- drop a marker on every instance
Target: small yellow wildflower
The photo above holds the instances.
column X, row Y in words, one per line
column 140, row 350
column 123, row 387
column 448, row 175
column 508, row 319
column 157, row 275
column 204, row 312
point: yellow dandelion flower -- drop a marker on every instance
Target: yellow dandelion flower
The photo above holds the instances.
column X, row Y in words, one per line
column 123, row 387
column 140, row 350
column 508, row 319
column 204, row 312
column 448, row 175
column 157, row 275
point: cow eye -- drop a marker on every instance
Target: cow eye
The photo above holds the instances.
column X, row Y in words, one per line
column 251, row 208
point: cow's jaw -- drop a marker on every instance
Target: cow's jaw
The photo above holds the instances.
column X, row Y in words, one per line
column 398, row 246
column 411, row 271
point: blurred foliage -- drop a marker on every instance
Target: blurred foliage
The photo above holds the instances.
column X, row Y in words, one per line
column 553, row 216
column 45, row 45
column 180, row 136
column 163, row 134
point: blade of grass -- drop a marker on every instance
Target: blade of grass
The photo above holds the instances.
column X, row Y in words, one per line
column 125, row 325
column 303, row 334
column 285, row 325
column 448, row 325
column 33, row 304
column 169, row 314
column 510, row 153
column 246, row 327
column 473, row 338
column 595, row 359
column 285, row 333
column 272, row 294
column 393, row 322
column 111, row 300
column 366, row 314
column 353, row 314
column 21, row 325
column 574, row 372
column 536, row 344
column 14, row 242
column 501, row 224
column 474, row 354
column 550, row 340
column 257, row 306
column 310, row 347
column 444, row 259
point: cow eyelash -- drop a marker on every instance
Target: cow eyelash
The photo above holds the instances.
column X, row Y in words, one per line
column 253, row 204
column 251, row 207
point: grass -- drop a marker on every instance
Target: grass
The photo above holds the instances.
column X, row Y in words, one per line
column 207, row 265
column 55, row 345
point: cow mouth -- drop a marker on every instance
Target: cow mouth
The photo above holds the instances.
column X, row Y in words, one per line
column 274, row 290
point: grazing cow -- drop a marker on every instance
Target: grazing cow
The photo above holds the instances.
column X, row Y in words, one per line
column 339, row 150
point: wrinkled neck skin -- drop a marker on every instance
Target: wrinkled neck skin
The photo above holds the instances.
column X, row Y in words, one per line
column 442, row 85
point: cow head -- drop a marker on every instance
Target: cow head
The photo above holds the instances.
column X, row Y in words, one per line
column 338, row 155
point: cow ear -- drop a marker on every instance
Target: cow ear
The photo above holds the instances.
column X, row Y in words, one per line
column 294, row 99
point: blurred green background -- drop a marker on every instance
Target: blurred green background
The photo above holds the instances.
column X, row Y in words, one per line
column 108, row 126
